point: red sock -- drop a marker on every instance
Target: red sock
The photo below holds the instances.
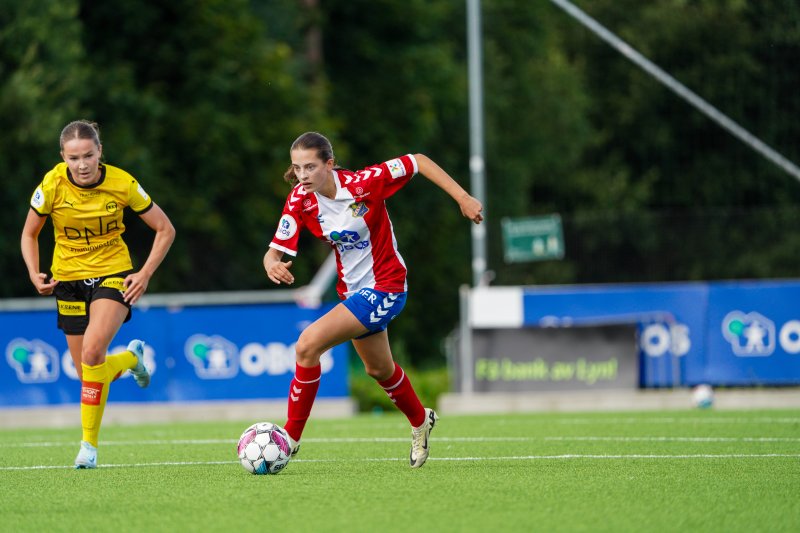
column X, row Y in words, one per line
column 302, row 393
column 401, row 392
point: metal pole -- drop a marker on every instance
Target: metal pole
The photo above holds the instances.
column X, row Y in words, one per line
column 678, row 88
column 466, row 357
column 476, row 159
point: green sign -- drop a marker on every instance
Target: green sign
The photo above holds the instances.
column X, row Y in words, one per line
column 532, row 238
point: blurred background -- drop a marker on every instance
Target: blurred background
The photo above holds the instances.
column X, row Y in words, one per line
column 200, row 100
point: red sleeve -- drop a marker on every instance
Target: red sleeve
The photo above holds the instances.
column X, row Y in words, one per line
column 385, row 179
column 290, row 224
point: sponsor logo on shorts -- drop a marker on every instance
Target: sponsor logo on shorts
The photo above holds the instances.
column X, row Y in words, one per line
column 71, row 308
column 114, row 283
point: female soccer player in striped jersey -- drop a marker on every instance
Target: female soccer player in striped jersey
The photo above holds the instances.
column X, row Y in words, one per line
column 92, row 275
column 347, row 210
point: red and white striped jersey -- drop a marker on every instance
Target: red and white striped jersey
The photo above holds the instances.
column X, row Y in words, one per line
column 355, row 224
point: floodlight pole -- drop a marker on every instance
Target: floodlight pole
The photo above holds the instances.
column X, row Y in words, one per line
column 476, row 159
column 678, row 88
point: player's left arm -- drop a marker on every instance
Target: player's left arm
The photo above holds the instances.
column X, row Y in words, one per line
column 157, row 220
column 470, row 206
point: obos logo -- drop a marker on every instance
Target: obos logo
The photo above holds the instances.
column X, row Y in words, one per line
column 34, row 361
column 274, row 359
column 287, row 227
column 213, row 357
column 37, row 200
column 348, row 240
column 750, row 335
column 660, row 337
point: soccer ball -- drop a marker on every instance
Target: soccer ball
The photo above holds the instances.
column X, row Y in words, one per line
column 264, row 448
column 703, row 396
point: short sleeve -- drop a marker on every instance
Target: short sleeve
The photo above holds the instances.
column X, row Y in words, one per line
column 387, row 178
column 42, row 199
column 138, row 199
column 287, row 235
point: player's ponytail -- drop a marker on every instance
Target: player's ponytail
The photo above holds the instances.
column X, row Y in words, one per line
column 290, row 177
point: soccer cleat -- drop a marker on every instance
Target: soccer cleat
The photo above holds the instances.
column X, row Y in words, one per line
column 294, row 445
column 419, row 439
column 87, row 456
column 140, row 373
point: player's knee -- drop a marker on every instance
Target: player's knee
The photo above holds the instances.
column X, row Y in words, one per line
column 379, row 373
column 93, row 354
column 307, row 352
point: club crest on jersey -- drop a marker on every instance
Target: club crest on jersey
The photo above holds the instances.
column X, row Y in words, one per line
column 359, row 209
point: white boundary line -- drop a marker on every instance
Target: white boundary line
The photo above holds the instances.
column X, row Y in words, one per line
column 676, row 420
column 367, row 440
column 437, row 459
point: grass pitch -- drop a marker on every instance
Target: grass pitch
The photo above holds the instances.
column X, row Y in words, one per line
column 654, row 471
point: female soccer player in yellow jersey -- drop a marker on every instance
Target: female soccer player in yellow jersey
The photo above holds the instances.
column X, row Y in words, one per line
column 93, row 278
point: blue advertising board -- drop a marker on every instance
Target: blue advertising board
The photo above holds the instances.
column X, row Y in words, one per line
column 720, row 333
column 754, row 334
column 205, row 352
column 670, row 319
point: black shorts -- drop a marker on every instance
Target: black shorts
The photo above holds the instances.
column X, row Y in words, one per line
column 73, row 299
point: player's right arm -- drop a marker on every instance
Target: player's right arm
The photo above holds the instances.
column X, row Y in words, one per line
column 285, row 239
column 277, row 270
column 30, row 252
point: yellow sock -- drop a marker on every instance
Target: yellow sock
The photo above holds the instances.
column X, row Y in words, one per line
column 119, row 363
column 94, row 393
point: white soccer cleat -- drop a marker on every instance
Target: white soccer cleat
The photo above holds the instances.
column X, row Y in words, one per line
column 294, row 445
column 87, row 456
column 140, row 373
column 419, row 439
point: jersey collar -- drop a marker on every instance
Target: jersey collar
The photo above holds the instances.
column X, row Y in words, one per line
column 93, row 185
column 341, row 192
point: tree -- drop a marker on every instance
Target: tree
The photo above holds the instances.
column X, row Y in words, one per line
column 204, row 115
column 41, row 74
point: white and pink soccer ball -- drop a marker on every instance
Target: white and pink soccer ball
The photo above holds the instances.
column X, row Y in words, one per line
column 264, row 448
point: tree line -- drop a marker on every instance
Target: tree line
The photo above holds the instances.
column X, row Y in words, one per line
column 201, row 99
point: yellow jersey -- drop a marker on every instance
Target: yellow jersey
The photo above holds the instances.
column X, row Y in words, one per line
column 87, row 221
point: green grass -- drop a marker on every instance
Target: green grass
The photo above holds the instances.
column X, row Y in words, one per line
column 654, row 471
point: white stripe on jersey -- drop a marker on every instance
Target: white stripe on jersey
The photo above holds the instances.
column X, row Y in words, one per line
column 351, row 238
